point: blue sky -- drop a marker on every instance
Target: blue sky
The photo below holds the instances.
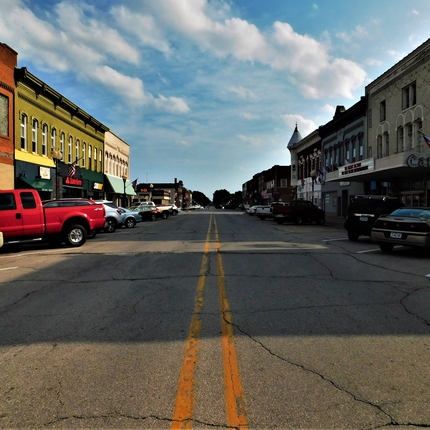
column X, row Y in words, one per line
column 209, row 91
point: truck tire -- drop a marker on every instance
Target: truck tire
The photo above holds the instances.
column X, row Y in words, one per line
column 110, row 225
column 75, row 235
column 165, row 215
column 175, row 212
column 153, row 217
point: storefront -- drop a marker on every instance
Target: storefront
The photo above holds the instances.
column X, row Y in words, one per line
column 118, row 190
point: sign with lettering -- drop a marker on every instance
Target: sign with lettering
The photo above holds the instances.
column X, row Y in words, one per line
column 44, row 172
column 357, row 168
column 73, row 181
column 418, row 161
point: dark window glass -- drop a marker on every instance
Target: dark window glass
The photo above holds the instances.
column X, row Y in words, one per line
column 7, row 201
column 28, row 201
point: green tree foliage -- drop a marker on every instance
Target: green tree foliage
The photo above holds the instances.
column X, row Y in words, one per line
column 201, row 198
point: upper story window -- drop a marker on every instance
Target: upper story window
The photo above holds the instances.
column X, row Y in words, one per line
column 62, row 139
column 360, row 147
column 44, row 139
column 53, row 139
column 4, row 115
column 34, row 128
column 101, row 160
column 77, row 151
column 69, row 150
column 90, row 154
column 24, row 121
column 84, row 150
column 400, row 137
column 409, row 95
column 382, row 111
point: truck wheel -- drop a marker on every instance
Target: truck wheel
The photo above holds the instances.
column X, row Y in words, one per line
column 130, row 222
column 110, row 225
column 153, row 217
column 165, row 215
column 353, row 236
column 299, row 220
column 75, row 235
column 92, row 234
column 175, row 212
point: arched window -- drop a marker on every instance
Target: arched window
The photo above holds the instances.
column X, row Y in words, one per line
column 44, row 139
column 84, row 150
column 77, row 150
column 62, row 139
column 53, row 139
column 34, row 128
column 24, row 121
column 90, row 154
column 69, row 150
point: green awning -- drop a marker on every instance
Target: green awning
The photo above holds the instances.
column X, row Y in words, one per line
column 39, row 185
column 116, row 185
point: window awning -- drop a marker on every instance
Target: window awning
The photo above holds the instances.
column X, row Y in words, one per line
column 116, row 186
column 37, row 184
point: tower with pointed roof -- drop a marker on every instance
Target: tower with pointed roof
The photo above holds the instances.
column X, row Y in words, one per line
column 294, row 140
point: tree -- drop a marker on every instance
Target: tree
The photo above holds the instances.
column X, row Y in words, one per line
column 200, row 198
column 221, row 198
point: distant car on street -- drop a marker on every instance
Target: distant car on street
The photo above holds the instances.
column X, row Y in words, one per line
column 130, row 217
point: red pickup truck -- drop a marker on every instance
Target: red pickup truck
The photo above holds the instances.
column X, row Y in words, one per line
column 298, row 211
column 23, row 218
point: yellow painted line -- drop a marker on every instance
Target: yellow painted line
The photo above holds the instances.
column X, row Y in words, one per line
column 234, row 395
column 183, row 412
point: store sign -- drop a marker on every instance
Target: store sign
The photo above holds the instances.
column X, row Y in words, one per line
column 416, row 161
column 356, row 168
column 73, row 181
column 44, row 172
column 98, row 186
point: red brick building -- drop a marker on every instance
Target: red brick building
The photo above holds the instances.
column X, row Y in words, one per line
column 8, row 62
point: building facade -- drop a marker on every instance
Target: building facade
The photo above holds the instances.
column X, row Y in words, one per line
column 8, row 62
column 118, row 187
column 306, row 166
column 58, row 146
column 343, row 148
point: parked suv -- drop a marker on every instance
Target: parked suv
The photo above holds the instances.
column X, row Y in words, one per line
column 113, row 216
column 364, row 210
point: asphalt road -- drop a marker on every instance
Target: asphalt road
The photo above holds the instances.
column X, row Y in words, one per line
column 215, row 319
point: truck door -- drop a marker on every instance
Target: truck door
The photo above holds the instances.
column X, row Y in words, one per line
column 33, row 223
column 10, row 216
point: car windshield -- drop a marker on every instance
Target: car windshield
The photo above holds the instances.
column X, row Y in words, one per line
column 412, row 213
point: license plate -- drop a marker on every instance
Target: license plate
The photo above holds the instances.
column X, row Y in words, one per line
column 364, row 218
column 394, row 235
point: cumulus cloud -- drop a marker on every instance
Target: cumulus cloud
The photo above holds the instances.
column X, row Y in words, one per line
column 73, row 41
column 305, row 126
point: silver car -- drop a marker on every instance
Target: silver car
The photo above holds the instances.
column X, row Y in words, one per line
column 408, row 226
column 113, row 216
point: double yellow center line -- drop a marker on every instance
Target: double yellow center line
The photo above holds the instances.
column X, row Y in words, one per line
column 234, row 397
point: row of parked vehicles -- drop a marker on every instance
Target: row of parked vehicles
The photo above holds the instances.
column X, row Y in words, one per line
column 385, row 219
column 24, row 217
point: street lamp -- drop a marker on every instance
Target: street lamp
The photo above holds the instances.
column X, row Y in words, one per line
column 124, row 179
column 150, row 192
column 56, row 155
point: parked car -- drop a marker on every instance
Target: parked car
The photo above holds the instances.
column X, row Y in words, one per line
column 299, row 212
column 251, row 210
column 266, row 211
column 113, row 216
column 408, row 226
column 150, row 213
column 130, row 217
column 24, row 218
column 364, row 210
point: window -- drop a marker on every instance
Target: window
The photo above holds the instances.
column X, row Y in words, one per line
column 410, row 136
column 24, row 132
column 90, row 154
column 77, row 150
column 400, row 142
column 44, row 139
column 379, row 147
column 53, row 139
column 382, row 111
column 360, row 147
column 69, row 150
column 34, row 128
column 4, row 115
column 7, row 201
column 27, row 200
column 409, row 95
column 84, row 150
column 62, row 139
column 101, row 160
column 386, row 152
column 95, row 159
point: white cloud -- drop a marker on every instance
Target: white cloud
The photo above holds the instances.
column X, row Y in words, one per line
column 249, row 116
column 243, row 93
column 413, row 12
column 254, row 141
column 373, row 62
column 305, row 126
column 328, row 108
